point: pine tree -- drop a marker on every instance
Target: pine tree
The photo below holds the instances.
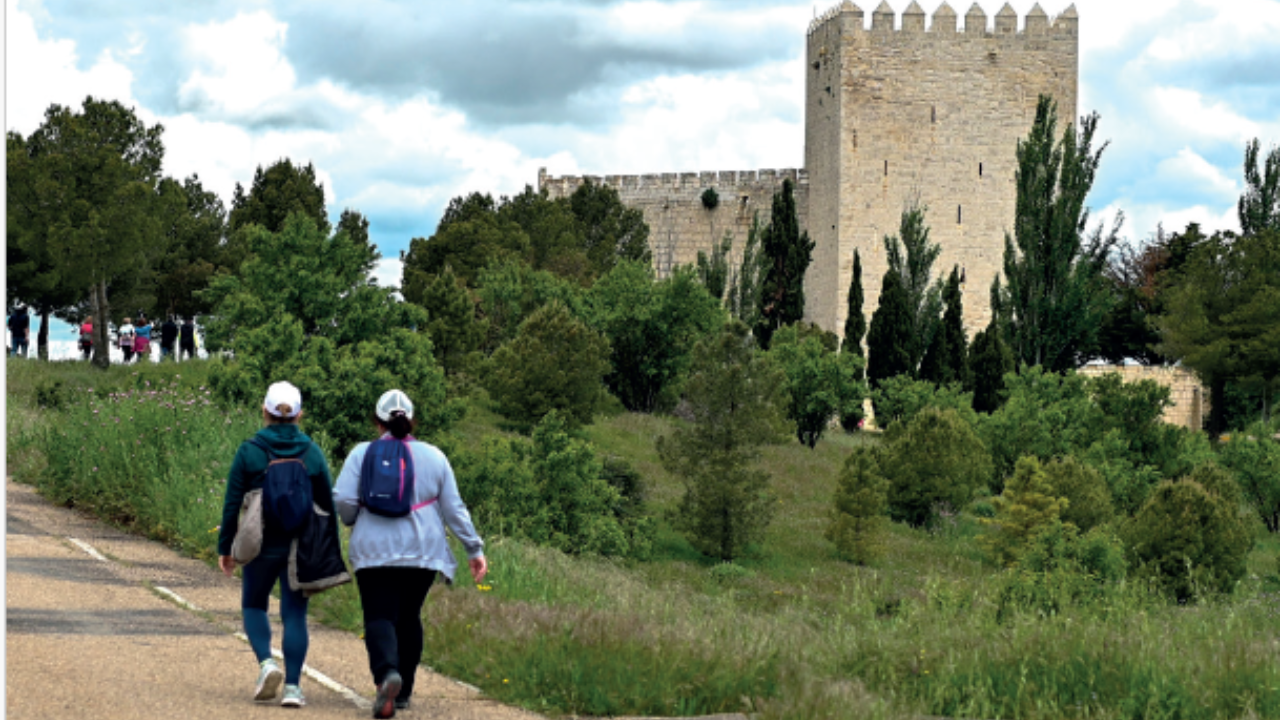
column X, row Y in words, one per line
column 453, row 328
column 1026, row 507
column 859, row 520
column 787, row 254
column 888, row 339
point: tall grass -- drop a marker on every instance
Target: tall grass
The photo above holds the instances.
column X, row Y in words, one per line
column 788, row 632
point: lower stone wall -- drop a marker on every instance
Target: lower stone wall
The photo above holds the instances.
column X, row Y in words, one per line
column 1190, row 398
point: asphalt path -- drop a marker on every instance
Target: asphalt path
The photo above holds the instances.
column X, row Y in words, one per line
column 102, row 624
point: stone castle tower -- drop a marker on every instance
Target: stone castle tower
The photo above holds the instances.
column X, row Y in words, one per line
column 893, row 115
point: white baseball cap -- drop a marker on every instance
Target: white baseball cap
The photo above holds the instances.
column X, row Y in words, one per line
column 283, row 393
column 392, row 402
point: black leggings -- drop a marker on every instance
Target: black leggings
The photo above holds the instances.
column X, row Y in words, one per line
column 392, row 599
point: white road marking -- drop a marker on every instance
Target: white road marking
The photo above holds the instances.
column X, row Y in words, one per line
column 89, row 549
column 325, row 680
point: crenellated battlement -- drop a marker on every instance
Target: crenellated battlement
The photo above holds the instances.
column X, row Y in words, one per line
column 721, row 180
column 1036, row 23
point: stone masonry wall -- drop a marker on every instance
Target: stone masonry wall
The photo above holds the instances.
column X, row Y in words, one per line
column 897, row 115
column 1190, row 398
column 679, row 225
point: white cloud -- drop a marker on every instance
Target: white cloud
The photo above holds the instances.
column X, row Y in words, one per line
column 1194, row 170
column 28, row 92
column 240, row 67
column 1189, row 111
column 388, row 272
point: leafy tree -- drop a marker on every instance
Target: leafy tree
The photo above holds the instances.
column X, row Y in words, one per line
column 1134, row 279
column 713, row 272
column 467, row 244
column 612, row 231
column 1055, row 297
column 823, row 384
column 787, row 253
column 90, row 193
column 1189, row 539
column 34, row 275
column 859, row 522
column 1026, row 507
column 934, row 460
column 1254, row 458
column 1046, row 416
column 511, row 290
column 989, row 361
column 915, row 268
column 1259, row 206
column 1223, row 318
column 736, row 396
column 1088, row 501
column 196, row 253
column 555, row 362
column 455, row 332
column 888, row 339
column 900, row 399
column 652, row 328
column 557, row 240
column 301, row 309
column 747, row 280
column 276, row 193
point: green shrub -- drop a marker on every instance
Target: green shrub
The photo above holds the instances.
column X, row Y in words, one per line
column 710, row 198
column 555, row 362
column 548, row 490
column 859, row 524
column 1061, row 568
column 1254, row 458
column 935, row 458
column 51, row 394
column 1025, row 507
column 1086, row 493
column 1045, row 416
column 900, row 398
column 1188, row 539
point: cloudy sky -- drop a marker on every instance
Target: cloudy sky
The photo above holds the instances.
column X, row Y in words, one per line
column 403, row 104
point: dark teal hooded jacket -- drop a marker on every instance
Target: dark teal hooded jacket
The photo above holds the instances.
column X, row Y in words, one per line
column 249, row 468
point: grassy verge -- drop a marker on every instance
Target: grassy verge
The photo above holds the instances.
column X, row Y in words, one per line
column 789, row 632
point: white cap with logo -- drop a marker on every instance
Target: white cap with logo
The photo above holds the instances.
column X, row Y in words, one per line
column 392, row 402
column 283, row 400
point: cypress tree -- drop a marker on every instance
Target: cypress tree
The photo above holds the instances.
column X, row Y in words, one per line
column 855, row 323
column 990, row 360
column 787, row 254
column 889, row 338
column 946, row 360
column 855, row 326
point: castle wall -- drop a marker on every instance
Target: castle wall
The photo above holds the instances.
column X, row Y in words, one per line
column 679, row 225
column 1190, row 398
column 930, row 116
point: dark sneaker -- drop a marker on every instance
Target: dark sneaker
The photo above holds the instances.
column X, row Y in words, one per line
column 402, row 703
column 269, row 679
column 384, row 705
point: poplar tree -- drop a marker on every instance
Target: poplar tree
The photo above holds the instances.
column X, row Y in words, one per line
column 913, row 261
column 1055, row 297
column 745, row 283
column 788, row 253
column 1259, row 206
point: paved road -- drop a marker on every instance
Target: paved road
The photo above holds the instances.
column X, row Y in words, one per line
column 94, row 638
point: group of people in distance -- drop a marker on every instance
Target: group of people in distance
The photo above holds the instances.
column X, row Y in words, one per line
column 135, row 340
column 396, row 559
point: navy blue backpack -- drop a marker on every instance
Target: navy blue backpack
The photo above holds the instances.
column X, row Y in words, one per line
column 286, row 491
column 386, row 479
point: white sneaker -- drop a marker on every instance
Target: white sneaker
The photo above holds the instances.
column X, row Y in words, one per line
column 293, row 697
column 269, row 679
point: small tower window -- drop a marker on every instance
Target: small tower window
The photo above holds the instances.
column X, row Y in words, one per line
column 979, row 169
column 959, row 215
column 886, row 168
column 933, row 114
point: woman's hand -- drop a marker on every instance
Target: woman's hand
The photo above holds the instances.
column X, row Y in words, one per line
column 227, row 563
column 479, row 568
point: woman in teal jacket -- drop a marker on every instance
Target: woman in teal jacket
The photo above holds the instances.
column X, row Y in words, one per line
column 281, row 411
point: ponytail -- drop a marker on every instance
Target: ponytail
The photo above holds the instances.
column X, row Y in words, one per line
column 399, row 426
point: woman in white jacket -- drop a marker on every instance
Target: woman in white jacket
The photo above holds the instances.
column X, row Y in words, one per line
column 396, row 558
